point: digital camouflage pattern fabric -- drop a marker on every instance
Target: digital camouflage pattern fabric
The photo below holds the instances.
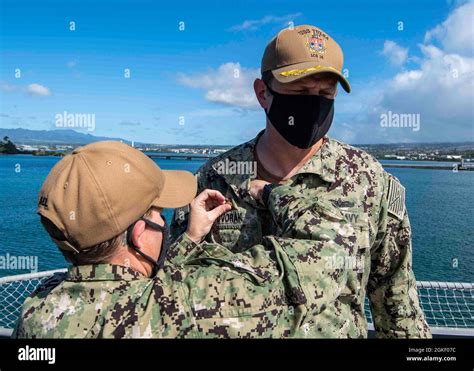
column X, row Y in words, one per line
column 204, row 291
column 341, row 198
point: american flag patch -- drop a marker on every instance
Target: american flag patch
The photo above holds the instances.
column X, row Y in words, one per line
column 396, row 199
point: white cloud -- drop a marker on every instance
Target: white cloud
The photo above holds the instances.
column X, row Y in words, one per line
column 395, row 53
column 440, row 88
column 255, row 24
column 456, row 33
column 38, row 90
column 71, row 64
column 32, row 89
column 230, row 84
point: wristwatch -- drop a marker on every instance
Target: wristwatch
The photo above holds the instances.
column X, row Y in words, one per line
column 267, row 189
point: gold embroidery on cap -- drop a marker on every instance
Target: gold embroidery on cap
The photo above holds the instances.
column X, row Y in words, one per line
column 298, row 72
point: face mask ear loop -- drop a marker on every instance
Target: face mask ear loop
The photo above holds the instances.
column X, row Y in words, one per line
column 141, row 253
column 166, row 240
column 272, row 92
column 273, row 95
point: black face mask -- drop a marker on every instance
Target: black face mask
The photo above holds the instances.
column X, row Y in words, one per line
column 301, row 119
column 157, row 264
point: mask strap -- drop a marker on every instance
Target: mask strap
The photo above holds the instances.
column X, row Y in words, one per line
column 165, row 244
column 164, row 229
column 270, row 90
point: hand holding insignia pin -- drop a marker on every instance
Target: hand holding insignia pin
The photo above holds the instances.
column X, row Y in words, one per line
column 228, row 201
column 204, row 210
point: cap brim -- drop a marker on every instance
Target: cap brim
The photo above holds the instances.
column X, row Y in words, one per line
column 299, row 71
column 179, row 189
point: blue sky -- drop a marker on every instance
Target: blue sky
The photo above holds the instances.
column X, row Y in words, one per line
column 426, row 68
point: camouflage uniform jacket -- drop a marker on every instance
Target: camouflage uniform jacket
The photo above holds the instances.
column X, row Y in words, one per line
column 204, row 290
column 341, row 190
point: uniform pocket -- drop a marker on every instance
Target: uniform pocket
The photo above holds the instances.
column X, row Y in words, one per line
column 359, row 268
column 321, row 222
column 226, row 304
column 314, row 274
column 324, row 250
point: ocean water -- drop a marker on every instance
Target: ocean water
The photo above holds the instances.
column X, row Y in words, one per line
column 440, row 205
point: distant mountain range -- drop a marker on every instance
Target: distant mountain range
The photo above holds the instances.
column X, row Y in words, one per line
column 69, row 136
column 58, row 136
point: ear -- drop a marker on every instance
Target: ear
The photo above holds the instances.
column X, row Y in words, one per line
column 137, row 232
column 260, row 89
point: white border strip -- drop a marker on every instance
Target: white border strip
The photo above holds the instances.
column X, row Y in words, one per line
column 30, row 276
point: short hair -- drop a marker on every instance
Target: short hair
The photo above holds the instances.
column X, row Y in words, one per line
column 267, row 77
column 97, row 254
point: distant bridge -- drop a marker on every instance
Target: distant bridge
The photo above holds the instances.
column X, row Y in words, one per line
column 459, row 167
column 177, row 156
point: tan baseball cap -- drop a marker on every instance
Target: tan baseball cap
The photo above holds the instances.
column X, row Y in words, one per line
column 98, row 191
column 303, row 51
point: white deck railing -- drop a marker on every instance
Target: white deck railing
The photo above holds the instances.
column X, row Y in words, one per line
column 448, row 306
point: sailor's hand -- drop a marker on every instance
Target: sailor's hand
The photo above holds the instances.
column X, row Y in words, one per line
column 256, row 189
column 205, row 209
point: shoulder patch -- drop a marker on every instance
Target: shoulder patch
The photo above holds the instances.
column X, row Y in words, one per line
column 51, row 282
column 396, row 199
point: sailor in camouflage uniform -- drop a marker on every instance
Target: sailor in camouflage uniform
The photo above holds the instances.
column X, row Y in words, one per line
column 101, row 205
column 334, row 190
